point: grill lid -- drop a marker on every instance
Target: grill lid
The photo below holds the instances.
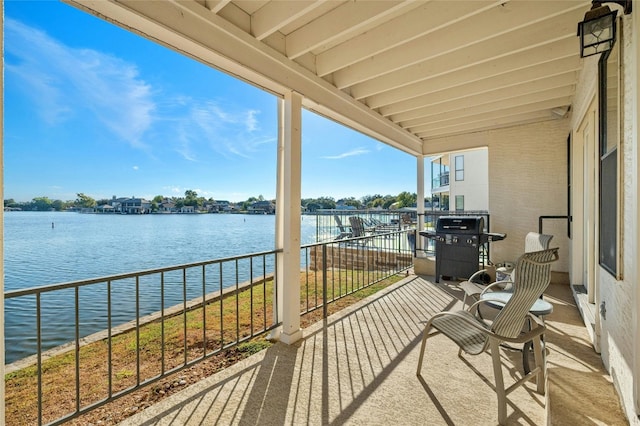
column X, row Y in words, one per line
column 460, row 225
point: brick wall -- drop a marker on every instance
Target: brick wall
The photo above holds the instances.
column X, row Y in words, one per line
column 619, row 328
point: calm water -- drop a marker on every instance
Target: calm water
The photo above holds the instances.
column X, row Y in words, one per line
column 50, row 248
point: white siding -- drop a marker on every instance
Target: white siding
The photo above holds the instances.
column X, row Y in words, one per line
column 475, row 186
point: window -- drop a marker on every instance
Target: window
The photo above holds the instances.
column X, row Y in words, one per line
column 444, row 202
column 459, row 161
column 609, row 139
column 459, row 203
column 439, row 174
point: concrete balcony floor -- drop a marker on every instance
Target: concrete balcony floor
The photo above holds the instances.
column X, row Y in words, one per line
column 359, row 367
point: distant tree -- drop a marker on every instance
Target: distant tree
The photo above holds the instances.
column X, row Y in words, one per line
column 41, row 204
column 388, row 202
column 244, row 205
column 351, row 201
column 58, row 205
column 367, row 200
column 376, row 203
column 85, row 201
column 406, row 199
column 191, row 202
column 10, row 202
column 312, row 206
column 191, row 198
column 158, row 199
column 326, row 202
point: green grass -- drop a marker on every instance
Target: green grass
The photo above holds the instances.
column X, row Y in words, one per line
column 253, row 347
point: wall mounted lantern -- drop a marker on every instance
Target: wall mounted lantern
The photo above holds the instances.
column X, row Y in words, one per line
column 597, row 31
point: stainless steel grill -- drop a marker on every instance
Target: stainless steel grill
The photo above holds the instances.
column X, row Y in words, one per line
column 460, row 241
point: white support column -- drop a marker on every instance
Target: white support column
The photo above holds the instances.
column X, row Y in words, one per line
column 420, row 202
column 288, row 220
column 2, row 391
column 280, row 207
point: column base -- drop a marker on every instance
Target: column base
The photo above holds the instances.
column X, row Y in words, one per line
column 290, row 338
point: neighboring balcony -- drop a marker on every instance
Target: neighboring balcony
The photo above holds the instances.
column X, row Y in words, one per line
column 441, row 182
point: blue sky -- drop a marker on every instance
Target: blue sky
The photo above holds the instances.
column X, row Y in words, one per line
column 92, row 108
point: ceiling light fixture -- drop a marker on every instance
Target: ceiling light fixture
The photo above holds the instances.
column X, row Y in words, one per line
column 597, row 31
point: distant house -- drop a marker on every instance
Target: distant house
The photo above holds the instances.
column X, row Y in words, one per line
column 340, row 205
column 225, row 206
column 262, row 207
column 105, row 208
column 167, row 207
column 211, row 206
column 187, row 209
column 116, row 203
column 135, row 206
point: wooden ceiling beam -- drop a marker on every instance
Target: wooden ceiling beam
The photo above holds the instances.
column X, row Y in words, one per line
column 468, row 49
column 543, row 86
column 427, row 18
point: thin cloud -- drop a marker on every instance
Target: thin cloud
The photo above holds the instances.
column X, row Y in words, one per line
column 66, row 83
column 229, row 132
column 63, row 81
column 352, row 153
column 183, row 144
column 251, row 124
column 173, row 189
column 254, row 144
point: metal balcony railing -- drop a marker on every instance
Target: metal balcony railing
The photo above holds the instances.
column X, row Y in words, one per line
column 154, row 323
column 340, row 268
column 440, row 181
column 132, row 330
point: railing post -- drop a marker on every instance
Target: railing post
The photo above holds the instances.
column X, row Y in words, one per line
column 39, row 354
column 417, row 243
column 324, row 281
